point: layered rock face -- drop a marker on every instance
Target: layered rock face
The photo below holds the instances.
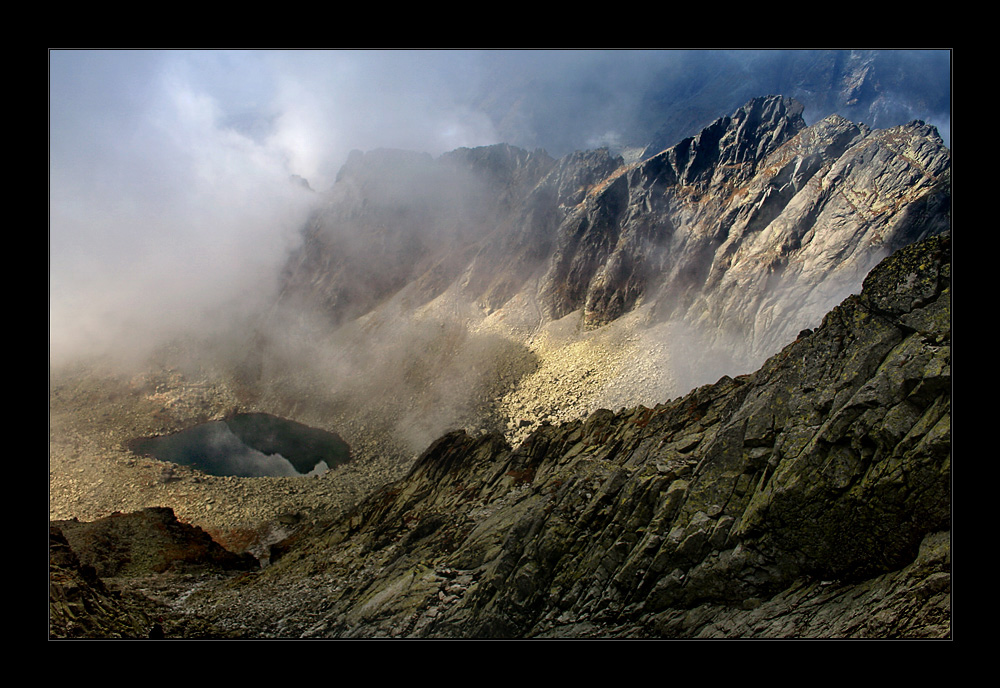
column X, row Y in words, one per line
column 809, row 499
column 142, row 545
column 148, row 541
column 471, row 322
column 707, row 257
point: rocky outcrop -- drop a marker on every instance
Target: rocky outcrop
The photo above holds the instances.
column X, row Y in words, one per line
column 494, row 288
column 809, row 499
column 82, row 604
column 146, row 542
column 749, row 231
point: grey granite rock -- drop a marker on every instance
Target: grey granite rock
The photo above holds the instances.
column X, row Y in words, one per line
column 809, row 499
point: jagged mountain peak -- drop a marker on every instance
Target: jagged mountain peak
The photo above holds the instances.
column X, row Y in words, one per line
column 743, row 138
column 468, row 322
column 726, row 244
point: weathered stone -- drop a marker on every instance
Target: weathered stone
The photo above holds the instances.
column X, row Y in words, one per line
column 859, row 506
column 810, row 498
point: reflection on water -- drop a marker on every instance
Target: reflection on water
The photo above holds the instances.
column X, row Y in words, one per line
column 250, row 445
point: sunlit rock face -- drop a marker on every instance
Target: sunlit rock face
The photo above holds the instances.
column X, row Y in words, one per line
column 663, row 274
column 810, row 498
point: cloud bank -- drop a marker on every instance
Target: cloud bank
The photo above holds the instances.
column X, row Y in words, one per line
column 171, row 204
column 170, row 199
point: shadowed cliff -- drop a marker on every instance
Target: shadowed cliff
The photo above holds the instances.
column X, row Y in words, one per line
column 811, row 498
column 522, row 297
column 706, row 257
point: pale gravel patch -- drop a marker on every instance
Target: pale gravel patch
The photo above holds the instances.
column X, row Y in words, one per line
column 621, row 364
column 92, row 474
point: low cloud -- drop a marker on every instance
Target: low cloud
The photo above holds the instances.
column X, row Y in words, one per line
column 170, row 199
column 170, row 196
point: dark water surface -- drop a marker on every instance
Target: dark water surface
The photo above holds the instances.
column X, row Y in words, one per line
column 249, row 445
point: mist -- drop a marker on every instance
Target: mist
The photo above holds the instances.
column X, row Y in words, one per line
column 171, row 199
column 172, row 203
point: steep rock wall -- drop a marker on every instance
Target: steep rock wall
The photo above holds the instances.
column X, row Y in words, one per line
column 811, row 498
column 698, row 261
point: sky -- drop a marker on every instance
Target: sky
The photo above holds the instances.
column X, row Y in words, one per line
column 169, row 189
column 170, row 200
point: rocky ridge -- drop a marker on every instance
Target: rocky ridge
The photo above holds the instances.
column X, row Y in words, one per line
column 705, row 258
column 586, row 284
column 86, row 603
column 808, row 499
column 146, row 542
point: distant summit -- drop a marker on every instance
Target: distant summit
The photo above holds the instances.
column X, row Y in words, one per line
column 704, row 393
column 650, row 100
column 300, row 181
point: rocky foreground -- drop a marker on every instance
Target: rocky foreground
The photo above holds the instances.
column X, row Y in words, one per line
column 811, row 498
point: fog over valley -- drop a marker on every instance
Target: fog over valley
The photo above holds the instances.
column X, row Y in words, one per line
column 170, row 202
column 499, row 343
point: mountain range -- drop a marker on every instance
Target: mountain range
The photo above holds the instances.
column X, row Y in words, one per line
column 700, row 392
column 604, row 282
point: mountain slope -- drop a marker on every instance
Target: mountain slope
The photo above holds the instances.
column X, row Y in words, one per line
column 700, row 260
column 809, row 499
column 488, row 310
